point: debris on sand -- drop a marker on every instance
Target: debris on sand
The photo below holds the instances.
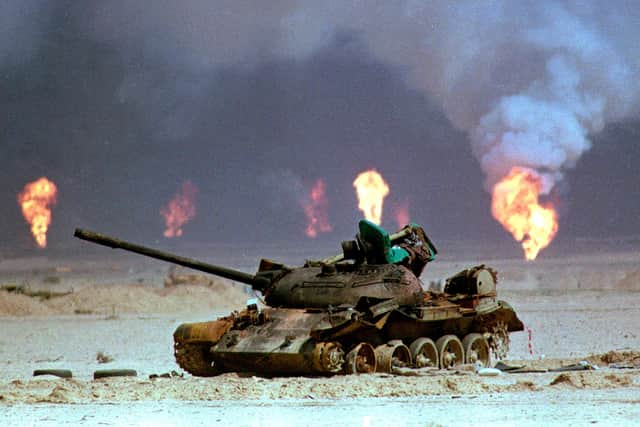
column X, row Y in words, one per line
column 583, row 365
column 102, row 357
column 616, row 359
column 172, row 374
column 108, row 373
column 505, row 367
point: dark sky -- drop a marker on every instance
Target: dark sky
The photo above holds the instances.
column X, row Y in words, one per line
column 119, row 113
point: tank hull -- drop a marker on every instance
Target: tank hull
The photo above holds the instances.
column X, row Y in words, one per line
column 284, row 341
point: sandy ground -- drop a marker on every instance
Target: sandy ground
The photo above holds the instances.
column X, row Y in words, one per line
column 585, row 307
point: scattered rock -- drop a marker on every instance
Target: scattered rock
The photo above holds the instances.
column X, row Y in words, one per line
column 563, row 379
column 488, row 372
column 102, row 357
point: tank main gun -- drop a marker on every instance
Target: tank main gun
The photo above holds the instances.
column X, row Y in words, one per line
column 314, row 285
column 258, row 282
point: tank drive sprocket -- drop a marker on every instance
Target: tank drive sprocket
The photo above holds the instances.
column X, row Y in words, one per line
column 195, row 359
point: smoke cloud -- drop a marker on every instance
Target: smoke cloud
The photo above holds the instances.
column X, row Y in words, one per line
column 528, row 81
column 21, row 29
column 125, row 99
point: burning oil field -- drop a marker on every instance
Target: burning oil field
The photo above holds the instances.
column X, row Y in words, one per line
column 229, row 132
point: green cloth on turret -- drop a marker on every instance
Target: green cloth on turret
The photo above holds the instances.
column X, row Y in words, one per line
column 378, row 237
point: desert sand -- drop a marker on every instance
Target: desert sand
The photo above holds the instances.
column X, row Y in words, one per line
column 575, row 308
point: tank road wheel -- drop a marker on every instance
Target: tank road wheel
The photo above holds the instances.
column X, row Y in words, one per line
column 450, row 350
column 392, row 354
column 361, row 359
column 195, row 359
column 424, row 353
column 476, row 349
column 328, row 357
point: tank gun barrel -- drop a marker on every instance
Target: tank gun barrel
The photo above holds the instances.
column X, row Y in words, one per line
column 256, row 282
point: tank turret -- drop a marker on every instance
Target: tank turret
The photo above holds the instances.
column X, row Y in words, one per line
column 378, row 270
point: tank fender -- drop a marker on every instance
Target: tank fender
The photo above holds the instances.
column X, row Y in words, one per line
column 375, row 307
column 202, row 331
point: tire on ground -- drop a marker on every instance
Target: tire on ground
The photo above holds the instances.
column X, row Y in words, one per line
column 62, row 373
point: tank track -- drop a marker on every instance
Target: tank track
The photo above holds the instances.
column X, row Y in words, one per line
column 195, row 359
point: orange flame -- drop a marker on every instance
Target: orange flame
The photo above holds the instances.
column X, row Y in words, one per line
column 515, row 205
column 401, row 213
column 35, row 200
column 316, row 211
column 180, row 209
column 371, row 189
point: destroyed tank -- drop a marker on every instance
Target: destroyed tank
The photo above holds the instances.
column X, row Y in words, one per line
column 364, row 310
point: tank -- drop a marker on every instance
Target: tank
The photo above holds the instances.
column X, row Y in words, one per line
column 363, row 310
